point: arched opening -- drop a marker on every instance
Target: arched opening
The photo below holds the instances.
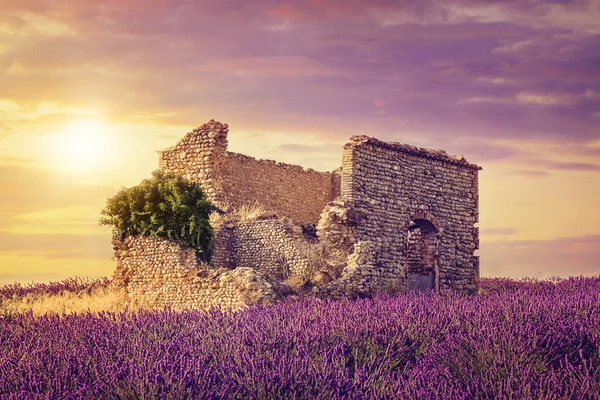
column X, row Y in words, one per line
column 421, row 243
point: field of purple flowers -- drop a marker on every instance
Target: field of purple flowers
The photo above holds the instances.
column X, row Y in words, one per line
column 72, row 285
column 515, row 340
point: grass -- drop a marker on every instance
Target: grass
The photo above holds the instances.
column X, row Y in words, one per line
column 102, row 299
column 244, row 213
column 68, row 297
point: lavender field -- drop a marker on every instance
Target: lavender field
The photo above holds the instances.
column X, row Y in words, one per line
column 515, row 340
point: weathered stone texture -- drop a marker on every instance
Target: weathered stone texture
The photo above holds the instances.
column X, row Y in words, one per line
column 273, row 247
column 397, row 185
column 223, row 248
column 393, row 218
column 337, row 235
column 290, row 190
column 199, row 156
column 363, row 276
column 162, row 273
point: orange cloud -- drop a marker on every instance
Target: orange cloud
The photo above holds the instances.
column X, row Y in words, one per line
column 288, row 10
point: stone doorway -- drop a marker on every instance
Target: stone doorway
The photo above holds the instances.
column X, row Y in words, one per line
column 421, row 248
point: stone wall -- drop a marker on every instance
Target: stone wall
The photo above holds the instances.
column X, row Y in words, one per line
column 223, row 255
column 199, row 156
column 159, row 272
column 399, row 188
column 290, row 190
column 336, row 233
column 275, row 247
column 337, row 184
column 393, row 218
column 363, row 276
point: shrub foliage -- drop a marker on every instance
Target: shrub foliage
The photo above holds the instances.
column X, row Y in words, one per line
column 166, row 206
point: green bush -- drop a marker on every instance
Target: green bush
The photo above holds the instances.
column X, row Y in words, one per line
column 166, row 206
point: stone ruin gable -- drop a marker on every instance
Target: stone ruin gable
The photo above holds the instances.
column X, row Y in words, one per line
column 291, row 190
column 199, row 157
column 399, row 189
column 393, row 218
column 162, row 273
column 275, row 247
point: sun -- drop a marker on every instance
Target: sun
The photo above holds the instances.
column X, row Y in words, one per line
column 84, row 145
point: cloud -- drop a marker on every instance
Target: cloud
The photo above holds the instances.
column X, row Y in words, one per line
column 25, row 189
column 31, row 278
column 12, row 160
column 578, row 150
column 477, row 151
column 559, row 165
column 272, row 66
column 565, row 256
column 170, row 137
column 332, row 149
column 498, row 231
column 532, row 173
column 57, row 246
column 565, row 13
column 339, row 68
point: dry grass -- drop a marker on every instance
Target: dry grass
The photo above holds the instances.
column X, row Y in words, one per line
column 318, row 260
column 313, row 252
column 336, row 260
column 245, row 213
column 250, row 212
column 215, row 219
column 103, row 299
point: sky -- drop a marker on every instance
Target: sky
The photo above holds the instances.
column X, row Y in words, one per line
column 89, row 90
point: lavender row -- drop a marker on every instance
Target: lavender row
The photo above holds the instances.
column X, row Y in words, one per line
column 516, row 340
column 74, row 285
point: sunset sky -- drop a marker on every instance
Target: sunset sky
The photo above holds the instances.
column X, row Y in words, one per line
column 89, row 90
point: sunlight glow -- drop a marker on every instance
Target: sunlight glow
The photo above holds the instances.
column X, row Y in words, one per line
column 84, row 146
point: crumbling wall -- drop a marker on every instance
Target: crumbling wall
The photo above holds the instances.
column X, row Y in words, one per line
column 275, row 247
column 159, row 272
column 363, row 276
column 364, row 212
column 394, row 185
column 337, row 184
column 336, row 233
column 223, row 255
column 291, row 190
column 199, row 156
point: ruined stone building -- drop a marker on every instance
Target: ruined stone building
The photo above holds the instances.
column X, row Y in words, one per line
column 393, row 218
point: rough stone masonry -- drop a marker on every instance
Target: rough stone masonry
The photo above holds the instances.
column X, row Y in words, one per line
column 393, row 218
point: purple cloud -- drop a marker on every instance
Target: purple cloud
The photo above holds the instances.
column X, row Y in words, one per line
column 569, row 256
column 531, row 173
column 452, row 72
column 557, row 165
column 335, row 59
